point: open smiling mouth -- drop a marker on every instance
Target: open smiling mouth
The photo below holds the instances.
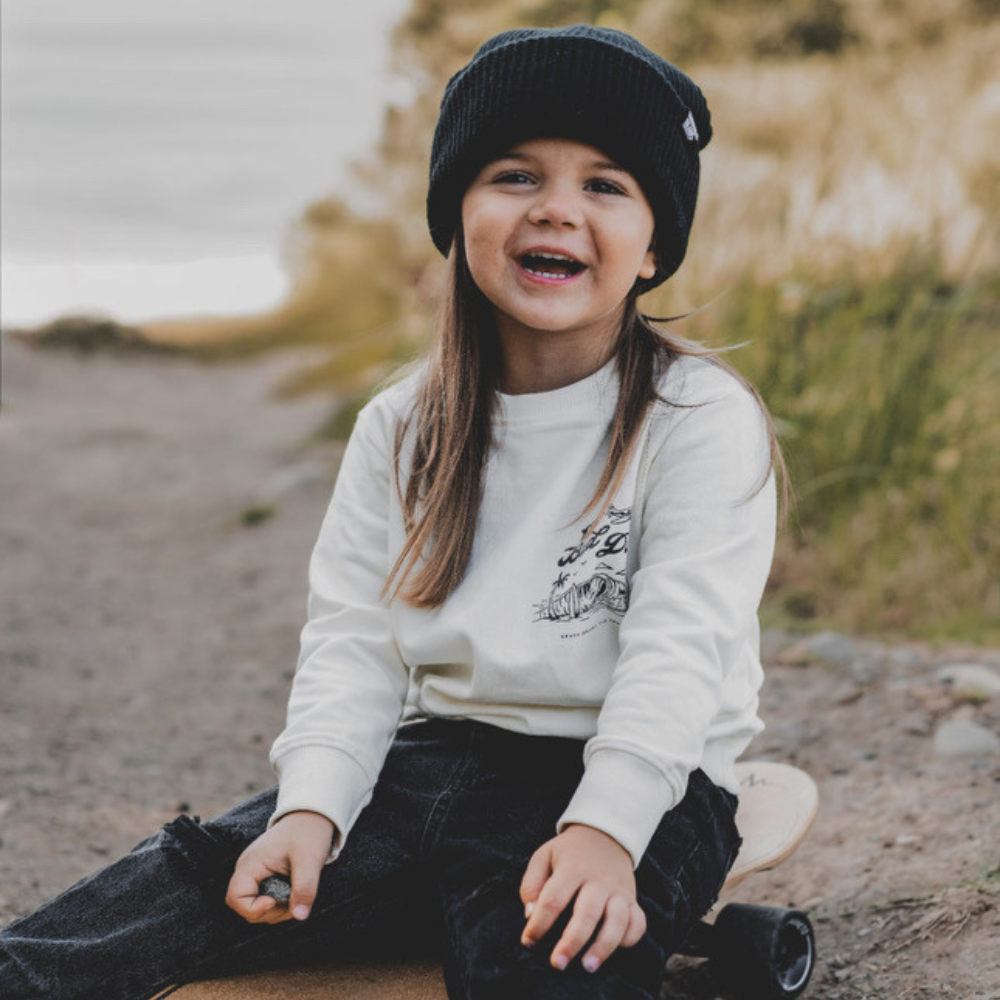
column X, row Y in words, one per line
column 554, row 266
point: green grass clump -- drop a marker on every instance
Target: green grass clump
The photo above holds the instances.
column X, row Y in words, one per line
column 885, row 393
column 257, row 514
column 93, row 334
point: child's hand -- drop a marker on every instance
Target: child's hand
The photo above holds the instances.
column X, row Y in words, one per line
column 297, row 846
column 597, row 870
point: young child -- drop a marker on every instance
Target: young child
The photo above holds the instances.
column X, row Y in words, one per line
column 531, row 658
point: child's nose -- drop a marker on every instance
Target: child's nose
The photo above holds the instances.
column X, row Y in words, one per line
column 556, row 204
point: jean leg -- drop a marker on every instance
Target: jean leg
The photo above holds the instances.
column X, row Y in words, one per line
column 374, row 901
column 512, row 795
column 508, row 811
column 158, row 916
column 686, row 864
column 129, row 930
column 377, row 900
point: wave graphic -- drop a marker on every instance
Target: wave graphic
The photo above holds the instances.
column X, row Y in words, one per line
column 581, row 600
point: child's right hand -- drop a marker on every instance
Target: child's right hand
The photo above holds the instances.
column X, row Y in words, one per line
column 297, row 847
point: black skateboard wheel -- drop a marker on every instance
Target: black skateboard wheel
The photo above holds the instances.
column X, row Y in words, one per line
column 763, row 952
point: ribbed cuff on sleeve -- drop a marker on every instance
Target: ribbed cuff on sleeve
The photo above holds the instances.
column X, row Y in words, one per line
column 323, row 780
column 624, row 796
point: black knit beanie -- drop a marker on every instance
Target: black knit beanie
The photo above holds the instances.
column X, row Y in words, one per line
column 594, row 85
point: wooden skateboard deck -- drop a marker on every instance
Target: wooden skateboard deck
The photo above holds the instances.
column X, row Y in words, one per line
column 778, row 804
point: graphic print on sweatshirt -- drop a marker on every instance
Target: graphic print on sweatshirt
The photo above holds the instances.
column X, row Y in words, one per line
column 592, row 576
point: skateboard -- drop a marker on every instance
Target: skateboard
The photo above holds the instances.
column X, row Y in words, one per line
column 758, row 952
column 763, row 952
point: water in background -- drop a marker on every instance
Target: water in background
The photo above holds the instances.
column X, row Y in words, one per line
column 154, row 153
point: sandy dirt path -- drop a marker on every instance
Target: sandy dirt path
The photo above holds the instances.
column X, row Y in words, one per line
column 148, row 636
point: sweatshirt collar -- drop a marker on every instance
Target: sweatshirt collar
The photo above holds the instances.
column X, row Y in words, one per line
column 593, row 397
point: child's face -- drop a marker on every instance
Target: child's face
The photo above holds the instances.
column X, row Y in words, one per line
column 542, row 202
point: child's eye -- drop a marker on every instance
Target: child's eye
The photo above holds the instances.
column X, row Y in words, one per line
column 601, row 185
column 512, row 177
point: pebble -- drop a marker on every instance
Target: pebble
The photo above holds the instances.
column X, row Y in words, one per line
column 864, row 671
column 832, row 648
column 903, row 656
column 918, row 725
column 970, row 680
column 847, row 693
column 277, row 888
column 964, row 738
column 795, row 655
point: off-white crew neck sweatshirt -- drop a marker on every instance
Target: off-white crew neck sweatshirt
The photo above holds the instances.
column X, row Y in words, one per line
column 639, row 637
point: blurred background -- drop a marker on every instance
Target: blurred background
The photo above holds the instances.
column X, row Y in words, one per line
column 154, row 154
column 228, row 178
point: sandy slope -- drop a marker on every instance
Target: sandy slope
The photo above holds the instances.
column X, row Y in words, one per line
column 147, row 637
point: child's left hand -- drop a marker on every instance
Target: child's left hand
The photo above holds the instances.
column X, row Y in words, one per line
column 588, row 864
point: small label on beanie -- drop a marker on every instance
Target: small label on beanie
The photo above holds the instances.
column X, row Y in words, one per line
column 690, row 129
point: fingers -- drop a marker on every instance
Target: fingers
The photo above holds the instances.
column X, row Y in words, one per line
column 555, row 896
column 591, row 905
column 535, row 876
column 296, row 848
column 610, row 936
column 617, row 922
column 622, row 925
column 305, row 882
column 264, row 910
column 636, row 926
column 243, row 895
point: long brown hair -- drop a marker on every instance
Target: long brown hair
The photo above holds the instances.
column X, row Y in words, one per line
column 453, row 413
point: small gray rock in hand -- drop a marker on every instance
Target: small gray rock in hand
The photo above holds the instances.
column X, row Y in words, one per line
column 277, row 887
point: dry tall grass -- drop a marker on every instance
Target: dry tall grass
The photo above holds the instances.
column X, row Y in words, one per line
column 822, row 162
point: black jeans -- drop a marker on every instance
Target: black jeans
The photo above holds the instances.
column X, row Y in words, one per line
column 433, row 863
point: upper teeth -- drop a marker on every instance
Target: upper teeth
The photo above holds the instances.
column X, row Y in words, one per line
column 554, row 256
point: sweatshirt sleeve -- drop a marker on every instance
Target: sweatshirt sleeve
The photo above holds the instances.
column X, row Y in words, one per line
column 705, row 546
column 350, row 683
